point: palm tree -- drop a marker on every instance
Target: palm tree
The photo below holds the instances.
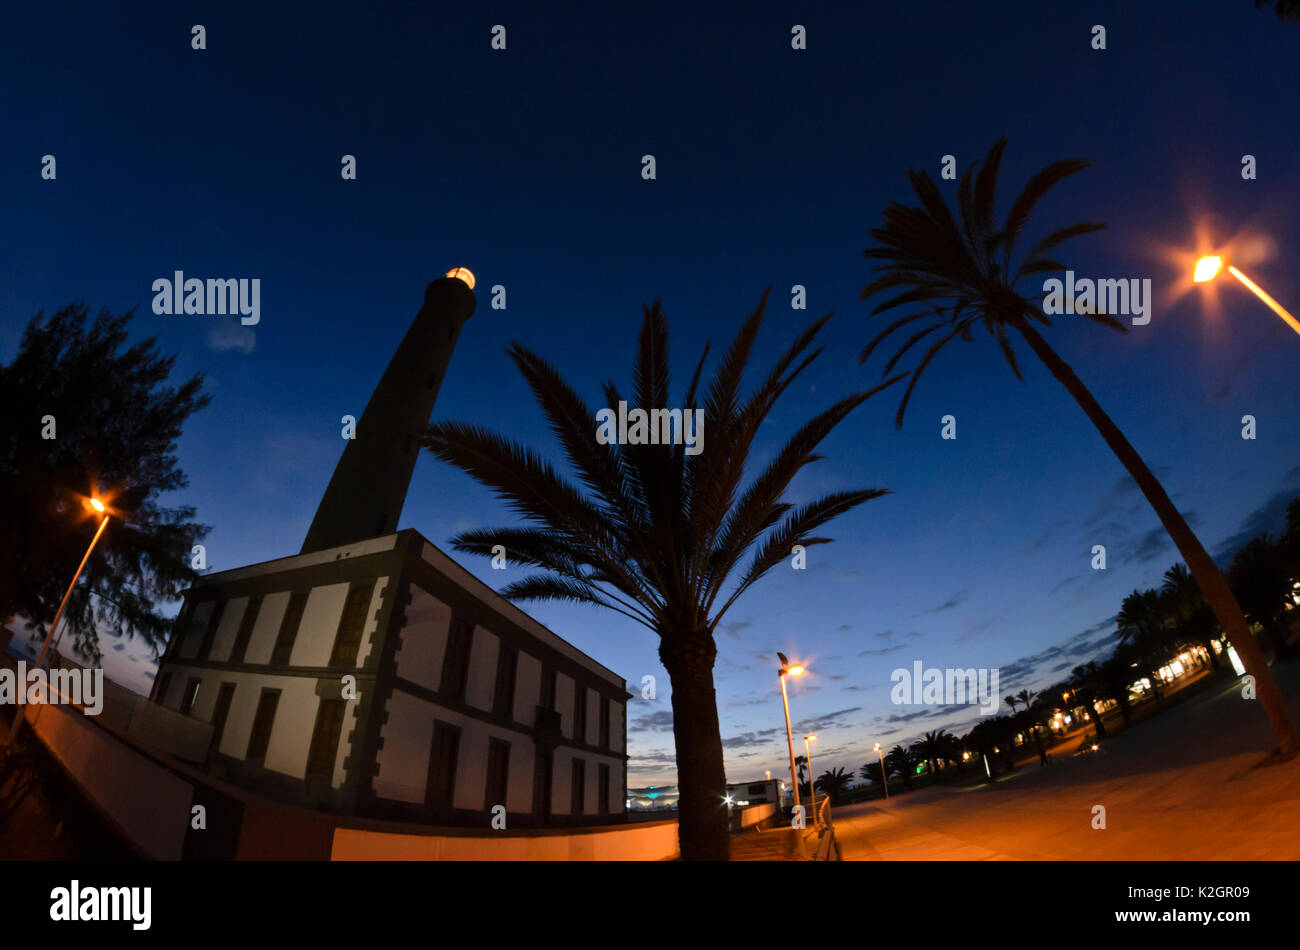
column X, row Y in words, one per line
column 1285, row 9
column 801, row 772
column 1086, row 680
column 901, row 761
column 834, row 782
column 1011, row 701
column 1263, row 584
column 1190, row 610
column 1114, row 677
column 928, row 749
column 872, row 773
column 658, row 534
column 959, row 273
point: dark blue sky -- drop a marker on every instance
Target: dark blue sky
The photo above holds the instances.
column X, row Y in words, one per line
column 773, row 165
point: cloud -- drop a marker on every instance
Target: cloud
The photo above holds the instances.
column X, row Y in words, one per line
column 826, row 720
column 956, row 600
column 661, row 721
column 228, row 335
column 1269, row 517
column 883, row 650
column 732, row 629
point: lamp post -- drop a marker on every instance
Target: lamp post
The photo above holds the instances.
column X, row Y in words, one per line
column 812, row 786
column 1207, row 268
column 884, row 776
column 788, row 670
column 19, row 714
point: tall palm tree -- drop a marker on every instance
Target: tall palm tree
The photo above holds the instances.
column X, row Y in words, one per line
column 958, row 272
column 656, row 534
column 1285, row 9
column 834, row 782
column 1011, row 701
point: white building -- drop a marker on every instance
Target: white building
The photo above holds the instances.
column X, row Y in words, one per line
column 382, row 679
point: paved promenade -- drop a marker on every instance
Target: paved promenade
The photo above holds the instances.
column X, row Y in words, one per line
column 1190, row 783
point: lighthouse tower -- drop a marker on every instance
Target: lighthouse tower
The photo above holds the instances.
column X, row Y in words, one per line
column 365, row 495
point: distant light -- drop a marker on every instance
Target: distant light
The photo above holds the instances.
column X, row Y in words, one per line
column 811, row 737
column 1207, row 268
column 1094, row 747
column 96, row 504
column 462, row 274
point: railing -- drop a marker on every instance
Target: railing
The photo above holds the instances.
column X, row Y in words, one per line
column 828, row 849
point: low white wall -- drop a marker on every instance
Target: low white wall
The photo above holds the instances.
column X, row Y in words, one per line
column 148, row 803
column 168, row 731
column 754, row 814
column 652, row 841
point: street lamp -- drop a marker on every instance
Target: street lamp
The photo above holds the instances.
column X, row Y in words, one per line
column 19, row 717
column 812, row 785
column 788, row 670
column 883, row 774
column 1207, row 268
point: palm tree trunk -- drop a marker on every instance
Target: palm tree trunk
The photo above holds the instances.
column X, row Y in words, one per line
column 1281, row 649
column 702, row 832
column 1208, row 577
column 1096, row 718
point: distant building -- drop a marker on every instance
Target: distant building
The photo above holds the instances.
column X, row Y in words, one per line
column 652, row 798
column 760, row 793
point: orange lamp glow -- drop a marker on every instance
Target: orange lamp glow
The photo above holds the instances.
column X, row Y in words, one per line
column 1207, row 268
column 796, row 670
column 462, row 274
column 97, row 504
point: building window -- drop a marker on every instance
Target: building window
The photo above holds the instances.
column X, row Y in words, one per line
column 542, row 785
column 262, row 723
column 351, row 625
column 455, row 665
column 325, row 738
column 245, row 633
column 503, row 702
column 221, row 712
column 441, row 786
column 498, row 773
column 603, row 791
column 548, row 690
column 604, row 722
column 579, row 712
column 190, row 695
column 578, row 788
column 205, row 648
column 164, row 681
column 289, row 628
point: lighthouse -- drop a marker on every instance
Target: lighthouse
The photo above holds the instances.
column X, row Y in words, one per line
column 366, row 493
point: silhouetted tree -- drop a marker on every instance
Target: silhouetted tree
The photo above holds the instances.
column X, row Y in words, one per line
column 1286, row 10
column 1262, row 582
column 834, row 782
column 956, row 275
column 86, row 413
column 656, row 534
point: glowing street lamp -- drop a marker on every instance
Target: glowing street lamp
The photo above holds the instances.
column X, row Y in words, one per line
column 1208, row 267
column 19, row 717
column 788, row 670
column 883, row 774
